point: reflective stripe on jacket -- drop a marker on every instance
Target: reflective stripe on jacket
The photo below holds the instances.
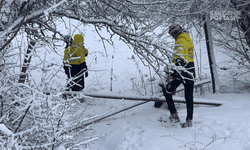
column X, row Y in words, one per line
column 75, row 54
column 184, row 48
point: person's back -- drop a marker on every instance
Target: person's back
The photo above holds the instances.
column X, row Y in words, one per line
column 75, row 65
column 184, row 55
column 187, row 47
column 75, row 54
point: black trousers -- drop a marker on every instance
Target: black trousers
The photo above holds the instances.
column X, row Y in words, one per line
column 171, row 87
column 76, row 75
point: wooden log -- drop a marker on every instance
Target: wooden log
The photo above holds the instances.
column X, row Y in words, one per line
column 142, row 98
column 98, row 119
column 159, row 99
column 117, row 112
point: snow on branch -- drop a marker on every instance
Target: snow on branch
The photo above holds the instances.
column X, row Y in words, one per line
column 4, row 130
column 7, row 139
column 148, row 3
column 49, row 10
column 86, row 20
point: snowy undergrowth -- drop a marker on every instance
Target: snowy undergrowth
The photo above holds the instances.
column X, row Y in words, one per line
column 39, row 121
column 233, row 78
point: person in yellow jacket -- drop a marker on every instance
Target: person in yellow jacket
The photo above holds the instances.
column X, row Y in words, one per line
column 182, row 57
column 75, row 63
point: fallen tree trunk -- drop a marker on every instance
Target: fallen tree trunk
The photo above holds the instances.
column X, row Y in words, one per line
column 160, row 99
column 145, row 99
column 84, row 124
column 142, row 98
column 120, row 97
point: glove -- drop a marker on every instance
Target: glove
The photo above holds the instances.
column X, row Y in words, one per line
column 86, row 74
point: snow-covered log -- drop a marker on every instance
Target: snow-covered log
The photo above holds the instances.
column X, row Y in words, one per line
column 162, row 99
column 139, row 98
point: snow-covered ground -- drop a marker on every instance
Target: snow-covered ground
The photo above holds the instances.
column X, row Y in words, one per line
column 226, row 127
column 214, row 128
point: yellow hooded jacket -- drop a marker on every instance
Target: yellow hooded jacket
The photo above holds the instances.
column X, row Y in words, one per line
column 75, row 54
column 184, row 48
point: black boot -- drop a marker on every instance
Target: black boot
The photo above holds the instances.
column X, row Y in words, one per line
column 157, row 104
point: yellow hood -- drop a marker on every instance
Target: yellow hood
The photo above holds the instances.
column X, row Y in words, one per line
column 78, row 39
column 76, row 53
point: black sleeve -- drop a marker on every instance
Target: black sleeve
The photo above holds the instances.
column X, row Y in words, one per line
column 174, row 74
column 66, row 69
column 83, row 65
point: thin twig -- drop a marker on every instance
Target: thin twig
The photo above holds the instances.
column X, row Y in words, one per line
column 8, row 42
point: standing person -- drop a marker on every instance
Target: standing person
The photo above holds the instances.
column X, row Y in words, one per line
column 74, row 63
column 183, row 57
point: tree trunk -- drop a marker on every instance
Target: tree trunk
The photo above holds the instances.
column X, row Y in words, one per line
column 26, row 62
column 245, row 27
column 244, row 21
column 210, row 52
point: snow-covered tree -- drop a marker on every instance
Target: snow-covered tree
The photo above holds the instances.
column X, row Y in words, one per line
column 234, row 35
column 143, row 25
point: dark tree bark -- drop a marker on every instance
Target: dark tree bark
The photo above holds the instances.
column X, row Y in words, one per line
column 210, row 52
column 26, row 62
